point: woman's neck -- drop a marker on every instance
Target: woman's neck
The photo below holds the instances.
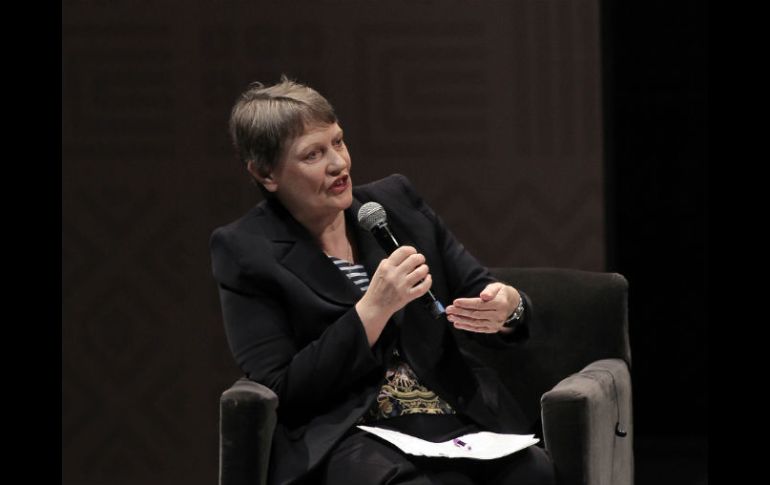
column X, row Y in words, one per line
column 333, row 238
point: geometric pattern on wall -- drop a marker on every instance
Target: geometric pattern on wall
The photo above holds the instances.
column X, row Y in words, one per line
column 118, row 82
column 525, row 226
column 425, row 87
column 120, row 323
column 499, row 126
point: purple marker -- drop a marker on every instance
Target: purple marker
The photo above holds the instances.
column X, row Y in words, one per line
column 461, row 444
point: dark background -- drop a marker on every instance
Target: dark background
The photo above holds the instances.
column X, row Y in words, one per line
column 656, row 139
column 577, row 129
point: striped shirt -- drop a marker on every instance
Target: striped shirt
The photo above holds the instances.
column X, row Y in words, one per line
column 356, row 272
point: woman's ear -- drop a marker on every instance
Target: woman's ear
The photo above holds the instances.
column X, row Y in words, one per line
column 267, row 180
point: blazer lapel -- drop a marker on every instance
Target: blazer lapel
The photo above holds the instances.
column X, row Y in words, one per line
column 299, row 253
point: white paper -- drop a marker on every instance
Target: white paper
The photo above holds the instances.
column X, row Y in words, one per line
column 484, row 445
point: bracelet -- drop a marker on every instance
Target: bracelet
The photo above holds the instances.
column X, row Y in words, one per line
column 517, row 313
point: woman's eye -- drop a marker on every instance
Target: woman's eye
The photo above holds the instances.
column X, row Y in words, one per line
column 312, row 155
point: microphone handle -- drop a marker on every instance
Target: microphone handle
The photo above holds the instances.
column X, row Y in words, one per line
column 385, row 238
column 389, row 244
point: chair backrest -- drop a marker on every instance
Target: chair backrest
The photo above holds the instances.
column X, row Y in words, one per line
column 578, row 317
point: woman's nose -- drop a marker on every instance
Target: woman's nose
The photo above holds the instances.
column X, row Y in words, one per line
column 336, row 162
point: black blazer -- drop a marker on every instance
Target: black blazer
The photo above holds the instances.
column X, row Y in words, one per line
column 291, row 324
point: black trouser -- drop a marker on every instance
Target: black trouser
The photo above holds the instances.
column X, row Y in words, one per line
column 363, row 459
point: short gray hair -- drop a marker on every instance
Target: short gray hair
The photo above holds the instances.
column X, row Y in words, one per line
column 264, row 119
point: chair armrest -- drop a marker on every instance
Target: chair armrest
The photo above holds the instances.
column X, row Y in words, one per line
column 247, row 420
column 580, row 415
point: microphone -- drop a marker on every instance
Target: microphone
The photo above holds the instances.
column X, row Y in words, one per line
column 373, row 218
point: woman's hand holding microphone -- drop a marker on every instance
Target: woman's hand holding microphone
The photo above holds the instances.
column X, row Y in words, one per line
column 399, row 279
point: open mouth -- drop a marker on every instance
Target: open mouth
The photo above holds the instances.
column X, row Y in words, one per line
column 340, row 184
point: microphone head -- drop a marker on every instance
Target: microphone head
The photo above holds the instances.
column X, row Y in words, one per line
column 371, row 214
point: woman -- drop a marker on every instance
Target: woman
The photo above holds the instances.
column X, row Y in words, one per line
column 315, row 310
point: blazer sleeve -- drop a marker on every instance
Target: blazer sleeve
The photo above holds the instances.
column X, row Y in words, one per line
column 466, row 276
column 262, row 340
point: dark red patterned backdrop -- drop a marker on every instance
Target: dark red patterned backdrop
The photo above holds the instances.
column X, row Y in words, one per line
column 493, row 109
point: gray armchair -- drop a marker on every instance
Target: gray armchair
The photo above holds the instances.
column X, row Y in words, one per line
column 572, row 372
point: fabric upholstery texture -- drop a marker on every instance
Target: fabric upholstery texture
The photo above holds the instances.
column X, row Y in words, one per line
column 247, row 419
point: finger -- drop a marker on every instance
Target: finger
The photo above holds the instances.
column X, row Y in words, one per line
column 421, row 288
column 471, row 303
column 485, row 314
column 476, row 322
column 417, row 275
column 491, row 291
column 473, row 328
column 413, row 261
column 400, row 254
